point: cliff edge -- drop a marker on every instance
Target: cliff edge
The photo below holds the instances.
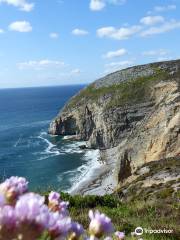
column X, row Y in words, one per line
column 135, row 111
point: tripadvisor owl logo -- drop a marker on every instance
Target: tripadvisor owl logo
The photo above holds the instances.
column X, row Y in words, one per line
column 139, row 231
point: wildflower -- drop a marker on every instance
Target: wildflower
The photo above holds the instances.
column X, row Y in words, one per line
column 58, row 226
column 2, row 200
column 63, row 208
column 13, row 187
column 76, row 231
column 7, row 217
column 8, row 223
column 120, row 235
column 30, row 208
column 54, row 200
column 54, row 197
column 55, row 204
column 32, row 215
column 100, row 224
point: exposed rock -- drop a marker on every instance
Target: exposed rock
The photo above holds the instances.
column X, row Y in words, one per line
column 136, row 110
column 161, row 181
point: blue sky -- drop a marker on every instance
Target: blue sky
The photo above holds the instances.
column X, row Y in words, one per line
column 62, row 42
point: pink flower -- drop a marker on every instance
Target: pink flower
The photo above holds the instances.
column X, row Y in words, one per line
column 100, row 224
column 76, row 231
column 54, row 197
column 58, row 226
column 13, row 188
column 2, row 200
column 30, row 208
column 120, row 235
column 7, row 217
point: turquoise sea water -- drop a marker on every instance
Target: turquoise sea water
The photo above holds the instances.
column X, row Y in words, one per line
column 25, row 147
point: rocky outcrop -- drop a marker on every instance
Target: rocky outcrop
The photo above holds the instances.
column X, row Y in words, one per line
column 153, row 181
column 136, row 110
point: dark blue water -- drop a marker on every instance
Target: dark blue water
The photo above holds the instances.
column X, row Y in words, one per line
column 25, row 147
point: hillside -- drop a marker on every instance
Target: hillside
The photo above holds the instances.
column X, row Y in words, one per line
column 135, row 111
column 131, row 115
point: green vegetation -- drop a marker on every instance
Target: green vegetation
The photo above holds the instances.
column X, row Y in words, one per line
column 157, row 215
column 160, row 214
column 154, row 207
column 129, row 92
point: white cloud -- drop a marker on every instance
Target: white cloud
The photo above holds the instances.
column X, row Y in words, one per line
column 166, row 27
column 114, row 66
column 98, row 5
column 119, row 64
column 113, row 54
column 54, row 35
column 151, row 20
column 20, row 26
column 158, row 52
column 118, row 33
column 164, row 8
column 79, row 32
column 38, row 65
column 23, row 5
column 1, row 30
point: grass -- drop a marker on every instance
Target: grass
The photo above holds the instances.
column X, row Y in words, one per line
column 127, row 216
column 130, row 92
column 154, row 207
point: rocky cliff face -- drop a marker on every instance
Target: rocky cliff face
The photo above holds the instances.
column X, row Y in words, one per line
column 136, row 109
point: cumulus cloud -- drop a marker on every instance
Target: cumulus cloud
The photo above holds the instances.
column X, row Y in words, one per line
column 166, row 27
column 80, row 32
column 38, row 65
column 113, row 54
column 1, row 30
column 158, row 52
column 20, row 26
column 98, row 5
column 54, row 35
column 151, row 20
column 23, row 5
column 118, row 33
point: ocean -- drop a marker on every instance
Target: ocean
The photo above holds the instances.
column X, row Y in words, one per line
column 26, row 148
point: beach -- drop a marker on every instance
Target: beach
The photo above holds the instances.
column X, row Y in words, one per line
column 100, row 180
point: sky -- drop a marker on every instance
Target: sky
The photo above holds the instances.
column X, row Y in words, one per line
column 64, row 42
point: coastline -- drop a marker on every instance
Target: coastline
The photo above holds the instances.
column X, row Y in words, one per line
column 102, row 180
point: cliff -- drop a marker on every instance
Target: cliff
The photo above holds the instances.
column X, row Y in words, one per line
column 135, row 111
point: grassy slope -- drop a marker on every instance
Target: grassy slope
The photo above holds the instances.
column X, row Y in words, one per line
column 128, row 216
column 130, row 92
column 155, row 207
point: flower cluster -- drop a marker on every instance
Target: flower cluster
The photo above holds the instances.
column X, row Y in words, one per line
column 25, row 215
